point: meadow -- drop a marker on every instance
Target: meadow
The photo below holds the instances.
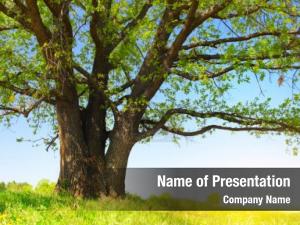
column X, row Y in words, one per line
column 21, row 204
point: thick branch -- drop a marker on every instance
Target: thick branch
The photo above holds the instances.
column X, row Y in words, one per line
column 192, row 22
column 217, row 127
column 61, row 12
column 194, row 19
column 16, row 14
column 189, row 25
column 146, row 82
column 21, row 13
column 37, row 25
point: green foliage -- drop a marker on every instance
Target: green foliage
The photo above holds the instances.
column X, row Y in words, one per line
column 18, row 187
column 2, row 186
column 45, row 187
column 24, row 61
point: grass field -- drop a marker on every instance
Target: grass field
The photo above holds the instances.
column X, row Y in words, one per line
column 20, row 204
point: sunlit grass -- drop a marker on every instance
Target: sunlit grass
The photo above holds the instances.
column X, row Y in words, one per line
column 20, row 205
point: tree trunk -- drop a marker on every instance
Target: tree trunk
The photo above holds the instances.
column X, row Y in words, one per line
column 74, row 169
column 121, row 142
column 87, row 172
column 116, row 163
column 80, row 169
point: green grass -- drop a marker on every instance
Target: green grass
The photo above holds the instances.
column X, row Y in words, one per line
column 20, row 204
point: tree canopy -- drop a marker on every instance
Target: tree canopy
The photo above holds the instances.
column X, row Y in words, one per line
column 170, row 64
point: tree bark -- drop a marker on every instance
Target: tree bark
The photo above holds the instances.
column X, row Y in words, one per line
column 81, row 171
column 80, row 168
column 86, row 172
column 116, row 163
column 122, row 140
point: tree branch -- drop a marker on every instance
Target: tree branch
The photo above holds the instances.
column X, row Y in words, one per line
column 61, row 12
column 133, row 23
column 25, row 112
column 248, row 12
column 18, row 16
column 123, row 87
column 8, row 28
column 37, row 25
column 194, row 19
column 208, row 57
column 207, row 74
column 218, row 127
column 28, row 91
column 248, row 122
column 82, row 71
column 214, row 43
column 192, row 22
column 51, row 142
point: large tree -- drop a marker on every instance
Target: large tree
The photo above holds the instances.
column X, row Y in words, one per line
column 106, row 74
